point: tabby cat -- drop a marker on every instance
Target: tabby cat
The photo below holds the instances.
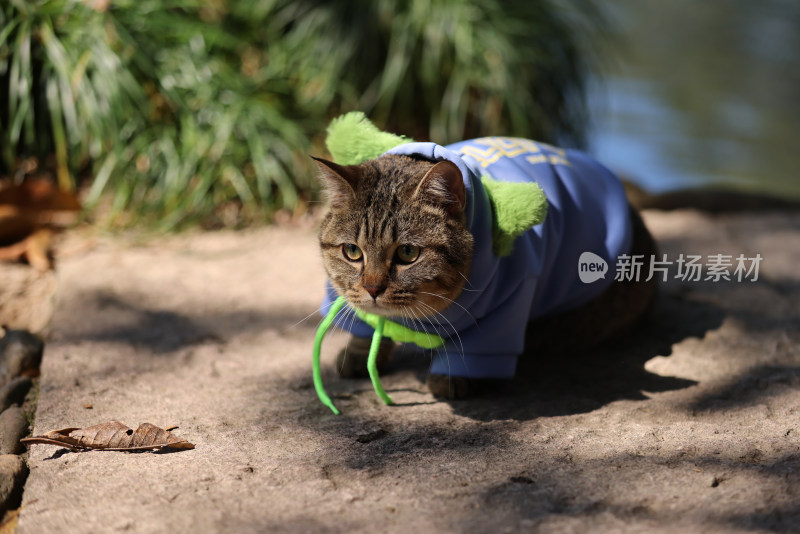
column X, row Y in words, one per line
column 396, row 242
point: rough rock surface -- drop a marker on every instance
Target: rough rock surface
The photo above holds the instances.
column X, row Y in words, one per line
column 12, row 473
column 690, row 424
column 13, row 427
column 28, row 297
column 14, row 392
column 20, row 354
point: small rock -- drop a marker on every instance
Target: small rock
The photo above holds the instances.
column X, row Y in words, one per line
column 20, row 354
column 367, row 436
column 716, row 480
column 13, row 427
column 301, row 384
column 13, row 472
column 14, row 392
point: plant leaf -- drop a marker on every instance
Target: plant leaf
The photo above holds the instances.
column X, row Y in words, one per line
column 111, row 436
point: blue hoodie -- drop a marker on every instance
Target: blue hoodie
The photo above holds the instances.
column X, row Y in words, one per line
column 587, row 212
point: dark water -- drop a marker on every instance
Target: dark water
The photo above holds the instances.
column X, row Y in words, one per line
column 700, row 93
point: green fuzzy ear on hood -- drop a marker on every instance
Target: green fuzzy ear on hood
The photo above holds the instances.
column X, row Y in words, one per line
column 516, row 207
column 353, row 139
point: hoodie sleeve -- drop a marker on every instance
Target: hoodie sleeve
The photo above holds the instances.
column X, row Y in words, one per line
column 490, row 347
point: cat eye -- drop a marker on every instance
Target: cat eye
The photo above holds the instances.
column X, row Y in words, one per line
column 407, row 253
column 352, row 252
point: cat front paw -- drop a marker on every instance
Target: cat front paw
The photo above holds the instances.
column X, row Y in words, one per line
column 452, row 387
column 351, row 362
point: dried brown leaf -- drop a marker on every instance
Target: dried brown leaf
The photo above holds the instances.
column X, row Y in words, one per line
column 13, row 226
column 38, row 251
column 39, row 196
column 10, row 520
column 13, row 252
column 35, row 248
column 111, row 436
column 30, row 213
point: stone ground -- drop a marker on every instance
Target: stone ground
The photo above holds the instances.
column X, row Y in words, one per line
column 691, row 424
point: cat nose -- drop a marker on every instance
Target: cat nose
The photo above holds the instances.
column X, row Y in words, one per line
column 374, row 291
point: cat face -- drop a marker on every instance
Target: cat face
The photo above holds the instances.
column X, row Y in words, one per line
column 395, row 241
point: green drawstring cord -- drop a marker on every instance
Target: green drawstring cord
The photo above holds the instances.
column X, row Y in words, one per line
column 321, row 331
column 372, row 360
column 382, row 326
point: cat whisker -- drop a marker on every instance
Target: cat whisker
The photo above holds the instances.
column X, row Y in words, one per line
column 349, row 315
column 322, row 310
column 451, row 301
column 403, row 318
column 422, row 325
column 448, row 299
column 437, row 331
column 413, row 324
column 467, row 283
column 352, row 317
column 408, row 322
column 444, row 327
column 458, row 337
column 441, row 333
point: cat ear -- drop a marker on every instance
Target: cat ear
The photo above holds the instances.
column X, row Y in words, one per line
column 338, row 181
column 444, row 185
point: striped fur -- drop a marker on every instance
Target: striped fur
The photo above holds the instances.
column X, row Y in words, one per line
column 381, row 205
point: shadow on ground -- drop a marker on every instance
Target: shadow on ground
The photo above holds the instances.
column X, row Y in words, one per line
column 549, row 387
column 562, row 384
column 749, row 388
column 125, row 320
column 553, row 385
column 566, row 490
